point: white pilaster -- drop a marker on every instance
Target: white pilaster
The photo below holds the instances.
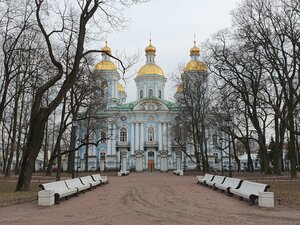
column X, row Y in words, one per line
column 132, row 139
column 145, row 91
column 136, row 136
column 169, row 139
column 159, row 137
column 114, row 136
column 116, row 89
column 164, row 135
column 156, row 90
column 142, row 136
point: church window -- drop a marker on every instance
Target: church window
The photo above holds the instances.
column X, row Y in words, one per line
column 151, row 134
column 177, row 134
column 103, row 137
column 159, row 93
column 215, row 139
column 123, row 135
column 150, row 93
column 141, row 94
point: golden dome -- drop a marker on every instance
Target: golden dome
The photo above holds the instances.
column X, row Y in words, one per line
column 195, row 50
column 180, row 89
column 120, row 88
column 195, row 66
column 106, row 49
column 150, row 68
column 150, row 48
column 105, row 65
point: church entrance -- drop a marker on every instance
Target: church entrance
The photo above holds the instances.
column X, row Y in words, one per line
column 151, row 161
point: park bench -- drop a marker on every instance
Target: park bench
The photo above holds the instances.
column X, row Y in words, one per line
column 249, row 190
column 178, row 172
column 203, row 179
column 228, row 184
column 88, row 180
column 102, row 179
column 216, row 180
column 123, row 173
column 60, row 190
column 76, row 183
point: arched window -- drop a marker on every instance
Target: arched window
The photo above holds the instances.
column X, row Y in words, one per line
column 177, row 134
column 123, row 135
column 150, row 93
column 159, row 93
column 150, row 134
column 141, row 94
column 103, row 137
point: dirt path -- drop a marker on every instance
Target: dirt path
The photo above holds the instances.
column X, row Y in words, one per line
column 149, row 198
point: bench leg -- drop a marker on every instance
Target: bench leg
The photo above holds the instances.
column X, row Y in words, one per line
column 252, row 199
column 56, row 199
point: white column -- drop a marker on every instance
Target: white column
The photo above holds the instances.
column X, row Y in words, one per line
column 164, row 135
column 116, row 89
column 114, row 136
column 109, row 140
column 145, row 91
column 132, row 139
column 159, row 137
column 169, row 139
column 142, row 136
column 156, row 90
column 136, row 136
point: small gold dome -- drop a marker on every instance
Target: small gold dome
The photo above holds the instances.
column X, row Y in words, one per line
column 179, row 89
column 195, row 50
column 195, row 66
column 105, row 65
column 150, row 68
column 106, row 49
column 150, row 49
column 120, row 88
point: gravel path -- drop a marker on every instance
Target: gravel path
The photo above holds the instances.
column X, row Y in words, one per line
column 149, row 198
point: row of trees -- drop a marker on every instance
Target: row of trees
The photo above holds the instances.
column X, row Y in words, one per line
column 254, row 70
column 46, row 77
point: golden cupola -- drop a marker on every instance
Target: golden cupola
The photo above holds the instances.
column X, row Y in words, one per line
column 106, row 63
column 195, row 64
column 180, row 89
column 150, row 67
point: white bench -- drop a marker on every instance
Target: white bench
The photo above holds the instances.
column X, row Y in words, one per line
column 123, row 173
column 250, row 190
column 228, row 184
column 207, row 177
column 60, row 188
column 178, row 172
column 102, row 179
column 216, row 180
column 76, row 183
column 88, row 180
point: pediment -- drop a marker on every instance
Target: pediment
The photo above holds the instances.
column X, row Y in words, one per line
column 150, row 105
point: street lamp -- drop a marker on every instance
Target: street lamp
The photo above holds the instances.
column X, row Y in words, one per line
column 73, row 142
column 228, row 123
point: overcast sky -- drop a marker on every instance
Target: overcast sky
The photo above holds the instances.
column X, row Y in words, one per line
column 172, row 24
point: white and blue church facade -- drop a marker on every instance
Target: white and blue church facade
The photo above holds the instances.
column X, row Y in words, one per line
column 137, row 135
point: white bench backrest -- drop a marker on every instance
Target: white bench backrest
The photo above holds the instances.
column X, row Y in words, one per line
column 74, row 183
column 231, row 182
column 97, row 177
column 208, row 177
column 252, row 187
column 58, row 185
column 218, row 179
column 87, row 180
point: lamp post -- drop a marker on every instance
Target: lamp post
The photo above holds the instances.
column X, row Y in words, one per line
column 73, row 142
column 228, row 121
column 221, row 151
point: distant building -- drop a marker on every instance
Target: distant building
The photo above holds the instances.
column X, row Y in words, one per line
column 139, row 133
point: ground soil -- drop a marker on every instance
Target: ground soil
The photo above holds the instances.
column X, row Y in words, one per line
column 150, row 198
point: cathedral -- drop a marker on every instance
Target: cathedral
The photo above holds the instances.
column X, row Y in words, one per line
column 137, row 135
